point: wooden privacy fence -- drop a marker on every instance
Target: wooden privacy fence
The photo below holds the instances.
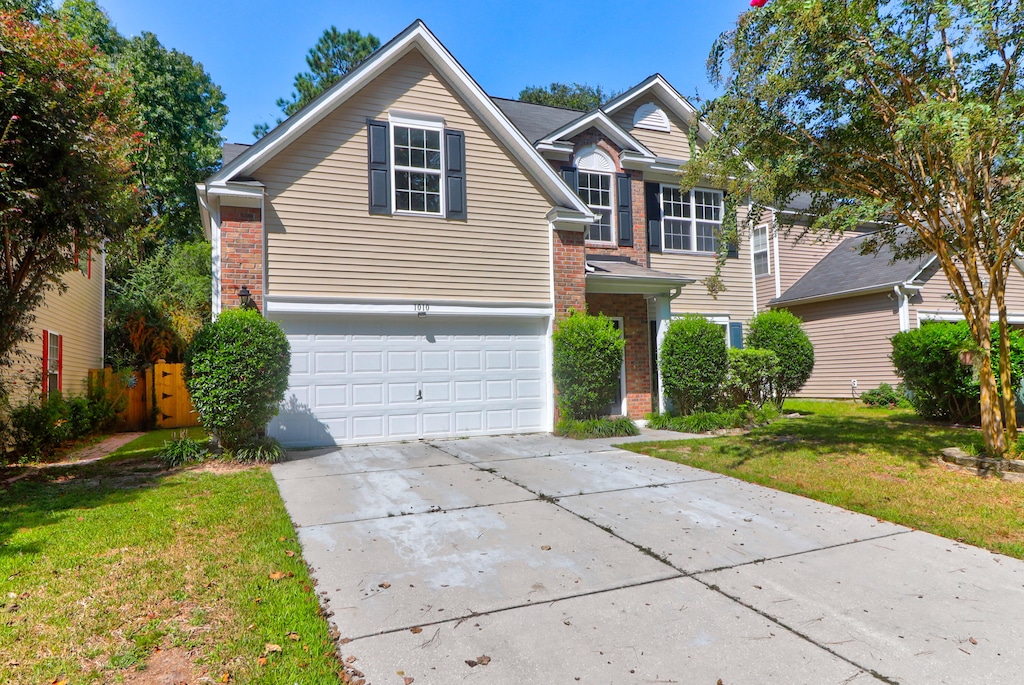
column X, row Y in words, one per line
column 155, row 396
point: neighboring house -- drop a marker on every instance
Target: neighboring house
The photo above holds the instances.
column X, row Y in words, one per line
column 418, row 241
column 853, row 303
column 67, row 336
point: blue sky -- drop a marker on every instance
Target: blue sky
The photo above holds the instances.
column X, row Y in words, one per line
column 254, row 48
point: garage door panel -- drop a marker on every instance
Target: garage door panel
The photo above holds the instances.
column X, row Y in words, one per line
column 367, row 379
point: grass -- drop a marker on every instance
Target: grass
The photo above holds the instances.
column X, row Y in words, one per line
column 101, row 565
column 875, row 461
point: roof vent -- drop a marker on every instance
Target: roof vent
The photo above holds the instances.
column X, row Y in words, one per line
column 651, row 117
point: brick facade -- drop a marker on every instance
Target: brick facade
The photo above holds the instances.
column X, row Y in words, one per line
column 570, row 272
column 241, row 254
column 633, row 310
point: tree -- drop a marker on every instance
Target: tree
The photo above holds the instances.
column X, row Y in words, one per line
column 181, row 112
column 904, row 113
column 32, row 9
column 156, row 310
column 334, row 55
column 67, row 133
column 576, row 96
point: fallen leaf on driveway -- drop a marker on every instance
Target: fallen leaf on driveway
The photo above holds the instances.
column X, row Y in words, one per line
column 479, row 661
column 384, row 585
column 972, row 640
column 416, row 630
column 546, row 548
column 407, row 680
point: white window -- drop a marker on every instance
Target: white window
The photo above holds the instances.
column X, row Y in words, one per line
column 692, row 220
column 759, row 240
column 417, row 168
column 596, row 190
column 52, row 361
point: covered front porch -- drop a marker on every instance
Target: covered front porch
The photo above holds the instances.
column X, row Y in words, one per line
column 639, row 300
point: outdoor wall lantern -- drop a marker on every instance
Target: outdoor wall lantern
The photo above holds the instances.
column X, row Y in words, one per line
column 244, row 297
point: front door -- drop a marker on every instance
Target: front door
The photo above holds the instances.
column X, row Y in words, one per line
column 617, row 406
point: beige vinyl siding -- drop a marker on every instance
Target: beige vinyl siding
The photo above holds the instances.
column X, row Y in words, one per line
column 799, row 253
column 673, row 144
column 322, row 241
column 77, row 315
column 933, row 296
column 851, row 341
column 737, row 300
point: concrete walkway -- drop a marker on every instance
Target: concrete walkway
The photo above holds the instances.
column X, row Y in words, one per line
column 573, row 562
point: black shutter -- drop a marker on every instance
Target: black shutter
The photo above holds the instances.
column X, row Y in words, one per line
column 379, row 173
column 624, row 203
column 652, row 192
column 736, row 335
column 572, row 177
column 734, row 251
column 455, row 173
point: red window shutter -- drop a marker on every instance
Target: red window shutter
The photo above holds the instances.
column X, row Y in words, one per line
column 46, row 358
column 60, row 363
column 89, row 266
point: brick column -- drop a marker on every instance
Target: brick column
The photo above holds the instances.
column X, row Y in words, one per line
column 241, row 255
column 570, row 272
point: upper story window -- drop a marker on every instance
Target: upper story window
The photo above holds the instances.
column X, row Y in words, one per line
column 594, row 186
column 416, row 166
column 759, row 242
column 417, row 169
column 596, row 191
column 691, row 220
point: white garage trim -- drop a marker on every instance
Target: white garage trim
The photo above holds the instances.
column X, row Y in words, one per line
column 359, row 378
column 283, row 305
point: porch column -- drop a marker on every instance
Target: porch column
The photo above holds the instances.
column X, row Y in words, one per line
column 663, row 309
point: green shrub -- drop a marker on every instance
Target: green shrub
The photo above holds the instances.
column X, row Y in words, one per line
column 750, row 376
column 236, row 371
column 779, row 331
column 42, row 424
column 260, row 451
column 183, row 451
column 707, row 421
column 693, row 361
column 938, row 386
column 884, row 396
column 603, row 427
column 587, row 364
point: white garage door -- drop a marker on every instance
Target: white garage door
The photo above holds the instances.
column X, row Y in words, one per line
column 358, row 379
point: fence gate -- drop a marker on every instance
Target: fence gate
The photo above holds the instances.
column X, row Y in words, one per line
column 173, row 404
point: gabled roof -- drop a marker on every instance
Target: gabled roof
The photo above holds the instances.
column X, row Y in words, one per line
column 533, row 120
column 845, row 272
column 415, row 37
column 657, row 85
column 602, row 122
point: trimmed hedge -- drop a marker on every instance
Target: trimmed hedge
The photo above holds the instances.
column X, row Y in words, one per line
column 587, row 364
column 694, row 361
column 603, row 427
column 939, row 387
column 780, row 331
column 749, row 380
column 236, row 371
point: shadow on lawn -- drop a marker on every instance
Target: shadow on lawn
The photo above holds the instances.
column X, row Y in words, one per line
column 51, row 494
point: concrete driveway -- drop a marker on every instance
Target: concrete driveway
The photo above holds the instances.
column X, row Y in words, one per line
column 574, row 562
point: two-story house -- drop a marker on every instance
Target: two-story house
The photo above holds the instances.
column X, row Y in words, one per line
column 418, row 241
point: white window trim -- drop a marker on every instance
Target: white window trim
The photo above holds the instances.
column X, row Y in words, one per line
column 692, row 219
column 624, row 409
column 50, row 335
column 424, row 122
column 611, row 242
column 767, row 251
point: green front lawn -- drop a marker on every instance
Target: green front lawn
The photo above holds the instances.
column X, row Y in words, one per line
column 875, row 461
column 121, row 566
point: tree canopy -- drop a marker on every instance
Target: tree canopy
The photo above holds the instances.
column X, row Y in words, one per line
column 908, row 114
column 68, row 131
column 571, row 96
column 181, row 113
column 334, row 55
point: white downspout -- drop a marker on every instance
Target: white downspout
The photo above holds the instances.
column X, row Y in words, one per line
column 904, row 307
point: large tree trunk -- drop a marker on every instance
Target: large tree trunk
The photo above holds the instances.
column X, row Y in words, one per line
column 1009, row 396
column 991, row 416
